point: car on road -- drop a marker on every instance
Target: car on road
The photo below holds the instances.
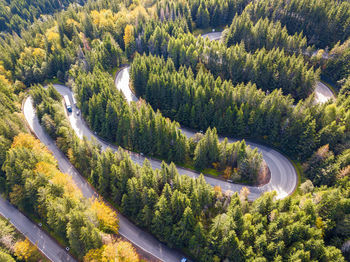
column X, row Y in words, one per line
column 68, row 104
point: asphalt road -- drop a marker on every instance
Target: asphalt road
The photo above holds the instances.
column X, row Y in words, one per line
column 213, row 35
column 49, row 247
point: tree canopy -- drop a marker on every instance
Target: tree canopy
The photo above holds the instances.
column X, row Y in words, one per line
column 258, row 83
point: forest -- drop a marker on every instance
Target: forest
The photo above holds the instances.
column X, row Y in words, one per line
column 39, row 188
column 257, row 83
column 189, row 214
column 201, row 100
column 269, row 69
column 324, row 23
column 18, row 15
column 263, row 34
column 202, row 151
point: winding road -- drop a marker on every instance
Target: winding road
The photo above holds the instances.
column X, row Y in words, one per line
column 283, row 176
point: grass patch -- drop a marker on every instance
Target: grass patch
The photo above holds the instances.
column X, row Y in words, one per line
column 53, row 81
column 211, row 171
column 187, row 165
column 131, row 86
column 113, row 71
column 199, row 31
column 205, row 171
column 300, row 174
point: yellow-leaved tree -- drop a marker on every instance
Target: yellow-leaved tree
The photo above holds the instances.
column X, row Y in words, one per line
column 5, row 75
column 28, row 141
column 105, row 19
column 105, row 215
column 126, row 252
column 128, row 35
column 25, row 250
column 117, row 251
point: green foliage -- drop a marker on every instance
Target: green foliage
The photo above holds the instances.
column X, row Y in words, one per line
column 59, row 44
column 202, row 17
column 10, row 124
column 188, row 85
column 320, row 167
column 136, row 126
column 106, row 53
column 337, row 66
column 17, row 15
column 235, row 156
column 83, row 235
column 51, row 115
column 202, row 13
column 263, row 33
column 186, row 215
column 273, row 69
column 190, row 214
column 154, row 35
column 215, row 13
column 4, row 257
column 324, row 23
column 207, row 150
column 200, row 101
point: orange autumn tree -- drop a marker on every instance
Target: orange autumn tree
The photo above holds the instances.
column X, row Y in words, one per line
column 117, row 251
column 105, row 215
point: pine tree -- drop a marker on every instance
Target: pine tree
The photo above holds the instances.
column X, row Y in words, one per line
column 185, row 227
